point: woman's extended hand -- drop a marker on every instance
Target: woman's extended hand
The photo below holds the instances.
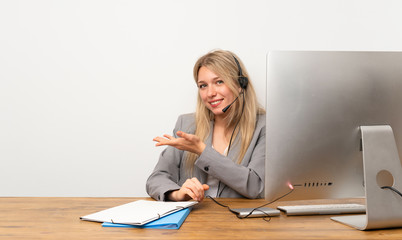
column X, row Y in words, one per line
column 186, row 141
column 191, row 189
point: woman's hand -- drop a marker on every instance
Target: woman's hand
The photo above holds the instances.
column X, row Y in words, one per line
column 186, row 142
column 191, row 189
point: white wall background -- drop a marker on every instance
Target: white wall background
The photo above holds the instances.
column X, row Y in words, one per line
column 86, row 84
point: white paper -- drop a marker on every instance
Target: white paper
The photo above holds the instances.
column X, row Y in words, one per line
column 138, row 212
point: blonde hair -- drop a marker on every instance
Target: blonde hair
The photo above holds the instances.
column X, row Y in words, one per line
column 223, row 64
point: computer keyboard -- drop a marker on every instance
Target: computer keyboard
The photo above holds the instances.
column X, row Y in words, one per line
column 323, row 209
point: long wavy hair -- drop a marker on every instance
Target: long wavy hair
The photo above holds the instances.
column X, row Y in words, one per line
column 223, row 64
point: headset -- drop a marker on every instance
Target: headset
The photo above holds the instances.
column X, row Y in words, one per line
column 243, row 81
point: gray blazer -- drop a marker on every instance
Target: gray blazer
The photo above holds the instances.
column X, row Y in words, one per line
column 236, row 181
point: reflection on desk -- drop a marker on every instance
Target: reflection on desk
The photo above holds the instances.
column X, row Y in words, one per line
column 58, row 218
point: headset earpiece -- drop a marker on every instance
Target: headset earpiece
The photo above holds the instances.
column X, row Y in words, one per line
column 243, row 81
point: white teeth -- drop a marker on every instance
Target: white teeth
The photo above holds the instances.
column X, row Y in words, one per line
column 216, row 102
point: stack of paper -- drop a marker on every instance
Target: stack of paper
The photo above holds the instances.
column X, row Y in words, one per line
column 141, row 212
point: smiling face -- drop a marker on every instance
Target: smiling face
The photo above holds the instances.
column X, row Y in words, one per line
column 214, row 93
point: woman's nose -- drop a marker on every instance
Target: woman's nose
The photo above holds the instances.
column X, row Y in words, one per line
column 211, row 91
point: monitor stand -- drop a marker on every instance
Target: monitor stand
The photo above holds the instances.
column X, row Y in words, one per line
column 382, row 167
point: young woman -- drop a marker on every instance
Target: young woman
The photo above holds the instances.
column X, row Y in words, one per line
column 215, row 151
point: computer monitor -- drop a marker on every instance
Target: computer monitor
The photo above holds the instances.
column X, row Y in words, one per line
column 316, row 103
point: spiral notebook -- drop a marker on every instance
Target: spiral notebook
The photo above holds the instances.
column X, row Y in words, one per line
column 138, row 212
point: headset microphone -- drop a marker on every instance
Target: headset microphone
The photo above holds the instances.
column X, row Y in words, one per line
column 228, row 106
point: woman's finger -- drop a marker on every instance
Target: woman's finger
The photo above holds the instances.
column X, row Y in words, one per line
column 168, row 136
column 197, row 183
column 189, row 192
column 199, row 188
column 156, row 139
column 195, row 189
column 188, row 137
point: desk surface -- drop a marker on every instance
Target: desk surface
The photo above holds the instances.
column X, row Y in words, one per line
column 58, row 218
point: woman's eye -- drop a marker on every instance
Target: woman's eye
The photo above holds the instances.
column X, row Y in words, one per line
column 202, row 85
column 219, row 82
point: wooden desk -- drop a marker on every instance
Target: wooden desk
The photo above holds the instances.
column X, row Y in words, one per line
column 58, row 218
